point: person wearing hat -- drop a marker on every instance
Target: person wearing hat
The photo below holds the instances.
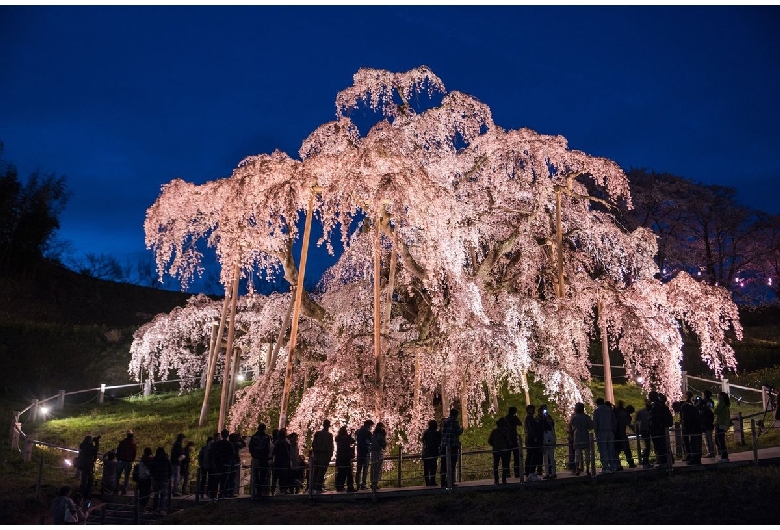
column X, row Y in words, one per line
column 363, row 451
column 125, row 456
column 322, row 452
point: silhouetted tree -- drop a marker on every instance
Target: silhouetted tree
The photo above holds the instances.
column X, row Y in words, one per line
column 29, row 215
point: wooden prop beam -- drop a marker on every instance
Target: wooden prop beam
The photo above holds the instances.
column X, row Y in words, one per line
column 377, row 317
column 282, row 331
column 223, row 405
column 559, row 238
column 296, row 313
column 213, row 357
column 609, row 393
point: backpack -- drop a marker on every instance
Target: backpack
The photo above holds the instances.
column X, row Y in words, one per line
column 661, row 417
column 260, row 446
column 141, row 472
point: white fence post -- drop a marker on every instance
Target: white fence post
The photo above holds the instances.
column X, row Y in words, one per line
column 724, row 385
column 765, row 397
column 61, row 400
column 102, row 393
column 684, row 383
column 15, row 428
column 28, row 447
column 35, row 407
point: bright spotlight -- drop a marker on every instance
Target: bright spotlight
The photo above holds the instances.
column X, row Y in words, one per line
column 240, row 377
column 44, row 410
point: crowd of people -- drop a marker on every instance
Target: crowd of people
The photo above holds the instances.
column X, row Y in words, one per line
column 279, row 467
column 699, row 418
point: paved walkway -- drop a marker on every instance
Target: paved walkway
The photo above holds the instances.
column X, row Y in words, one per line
column 768, row 456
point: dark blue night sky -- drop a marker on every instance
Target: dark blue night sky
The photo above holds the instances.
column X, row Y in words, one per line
column 123, row 99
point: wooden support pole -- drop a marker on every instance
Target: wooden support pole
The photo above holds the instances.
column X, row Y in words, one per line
column 524, row 375
column 228, row 351
column 417, row 375
column 280, row 339
column 16, row 428
column 377, row 317
column 296, row 313
column 212, row 344
column 464, row 403
column 236, row 363
column 559, row 238
column 391, row 280
column 213, row 356
column 609, row 393
column 389, row 302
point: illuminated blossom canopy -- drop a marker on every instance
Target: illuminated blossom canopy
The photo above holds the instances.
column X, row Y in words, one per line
column 464, row 216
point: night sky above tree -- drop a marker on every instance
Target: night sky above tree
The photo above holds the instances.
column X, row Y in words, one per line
column 123, row 100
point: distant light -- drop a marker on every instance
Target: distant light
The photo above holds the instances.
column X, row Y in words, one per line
column 44, row 410
column 68, row 462
column 664, row 271
column 741, row 284
column 698, row 273
column 240, row 377
column 640, row 380
column 769, row 281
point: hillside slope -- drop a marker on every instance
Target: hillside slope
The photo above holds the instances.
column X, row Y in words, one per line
column 63, row 330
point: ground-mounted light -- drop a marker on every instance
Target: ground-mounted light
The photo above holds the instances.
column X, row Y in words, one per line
column 240, row 377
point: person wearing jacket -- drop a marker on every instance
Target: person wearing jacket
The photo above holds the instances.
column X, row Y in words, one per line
column 706, row 407
column 282, row 462
column 431, row 441
column 322, row 452
column 260, row 448
column 547, row 429
column 604, row 426
column 143, row 482
column 622, row 446
column 450, row 442
column 514, row 423
column 581, row 424
column 161, row 471
column 378, row 445
column 500, row 440
column 88, row 452
column 177, row 455
column 363, row 452
column 690, row 421
column 125, row 457
column 63, row 509
column 345, row 452
column 660, row 420
column 533, row 444
column 722, row 424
